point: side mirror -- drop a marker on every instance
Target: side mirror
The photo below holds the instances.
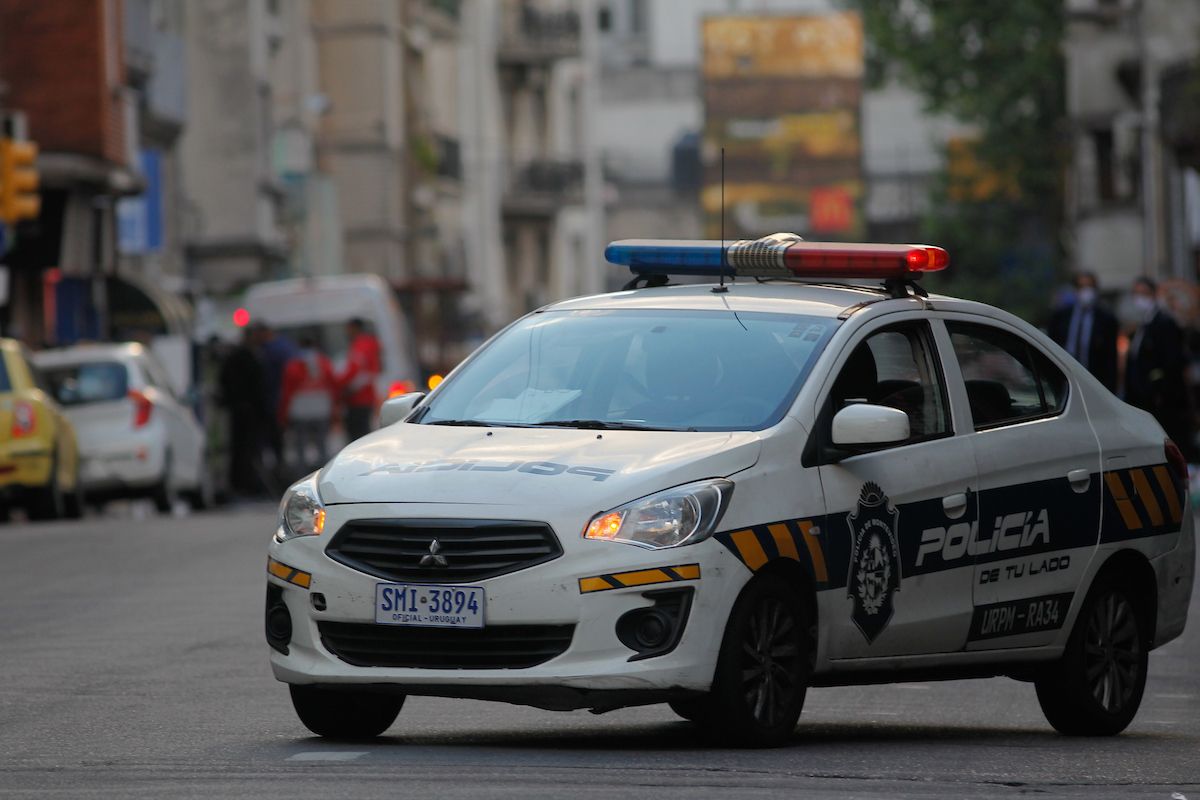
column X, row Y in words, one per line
column 396, row 408
column 863, row 424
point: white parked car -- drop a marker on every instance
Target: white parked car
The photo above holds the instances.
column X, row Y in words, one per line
column 717, row 496
column 136, row 439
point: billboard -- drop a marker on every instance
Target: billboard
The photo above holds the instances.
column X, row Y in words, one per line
column 782, row 96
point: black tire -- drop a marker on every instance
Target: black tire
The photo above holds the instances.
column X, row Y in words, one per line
column 762, row 669
column 1096, row 687
column 74, row 502
column 164, row 493
column 48, row 503
column 345, row 715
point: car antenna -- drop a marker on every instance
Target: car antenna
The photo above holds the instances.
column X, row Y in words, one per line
column 724, row 259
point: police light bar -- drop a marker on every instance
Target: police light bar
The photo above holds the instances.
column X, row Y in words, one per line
column 780, row 255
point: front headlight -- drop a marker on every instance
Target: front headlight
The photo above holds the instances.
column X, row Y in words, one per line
column 301, row 512
column 684, row 515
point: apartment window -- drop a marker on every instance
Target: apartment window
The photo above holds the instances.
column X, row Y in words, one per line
column 604, row 19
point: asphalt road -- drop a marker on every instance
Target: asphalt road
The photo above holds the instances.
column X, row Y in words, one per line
column 133, row 665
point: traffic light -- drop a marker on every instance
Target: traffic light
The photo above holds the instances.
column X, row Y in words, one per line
column 18, row 181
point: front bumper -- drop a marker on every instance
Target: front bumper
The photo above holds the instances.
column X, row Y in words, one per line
column 595, row 670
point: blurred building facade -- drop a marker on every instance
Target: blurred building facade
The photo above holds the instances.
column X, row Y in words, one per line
column 653, row 113
column 96, row 85
column 234, row 233
column 1133, row 98
column 530, row 156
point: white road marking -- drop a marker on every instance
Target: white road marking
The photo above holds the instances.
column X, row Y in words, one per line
column 326, row 755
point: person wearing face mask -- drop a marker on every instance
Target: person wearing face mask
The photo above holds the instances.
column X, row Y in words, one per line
column 1154, row 366
column 1088, row 331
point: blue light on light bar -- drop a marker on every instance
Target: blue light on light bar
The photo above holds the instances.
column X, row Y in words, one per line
column 670, row 256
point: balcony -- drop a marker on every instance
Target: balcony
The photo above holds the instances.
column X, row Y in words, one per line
column 531, row 36
column 539, row 188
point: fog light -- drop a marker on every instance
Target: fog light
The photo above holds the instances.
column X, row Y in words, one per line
column 651, row 629
column 278, row 620
column 657, row 629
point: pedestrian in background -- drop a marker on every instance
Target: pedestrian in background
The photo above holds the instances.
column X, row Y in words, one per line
column 1154, row 367
column 277, row 350
column 1088, row 331
column 357, row 381
column 243, row 392
column 306, row 403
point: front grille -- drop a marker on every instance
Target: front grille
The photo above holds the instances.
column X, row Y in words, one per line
column 495, row 647
column 470, row 549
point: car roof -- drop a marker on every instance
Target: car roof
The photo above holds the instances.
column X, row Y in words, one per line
column 85, row 353
column 790, row 297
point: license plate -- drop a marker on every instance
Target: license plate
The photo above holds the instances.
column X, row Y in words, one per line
column 428, row 605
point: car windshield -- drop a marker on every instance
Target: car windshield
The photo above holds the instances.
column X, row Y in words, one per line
column 636, row 369
column 93, row 382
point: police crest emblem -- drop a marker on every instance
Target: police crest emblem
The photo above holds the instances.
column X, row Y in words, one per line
column 875, row 573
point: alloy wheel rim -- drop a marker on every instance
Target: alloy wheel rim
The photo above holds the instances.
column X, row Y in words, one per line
column 770, row 652
column 1112, row 653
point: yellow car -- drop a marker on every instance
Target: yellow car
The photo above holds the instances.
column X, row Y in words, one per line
column 39, row 459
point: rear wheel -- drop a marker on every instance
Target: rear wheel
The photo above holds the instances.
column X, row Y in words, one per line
column 345, row 715
column 762, row 670
column 49, row 501
column 73, row 501
column 165, row 494
column 1096, row 688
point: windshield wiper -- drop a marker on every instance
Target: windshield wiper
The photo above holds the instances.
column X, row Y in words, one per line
column 604, row 425
column 465, row 423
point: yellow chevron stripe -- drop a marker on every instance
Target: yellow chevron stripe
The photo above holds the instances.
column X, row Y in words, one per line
column 784, row 541
column 1146, row 495
column 820, row 572
column 1168, row 488
column 749, row 549
column 593, row 585
column 1117, row 489
column 290, row 574
column 641, row 577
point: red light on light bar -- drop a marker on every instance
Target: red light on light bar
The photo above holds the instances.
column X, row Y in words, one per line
column 838, row 260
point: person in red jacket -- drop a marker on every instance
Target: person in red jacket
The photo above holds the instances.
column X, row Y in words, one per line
column 307, row 397
column 357, row 381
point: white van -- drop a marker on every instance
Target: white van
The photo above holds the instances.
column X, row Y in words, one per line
column 320, row 307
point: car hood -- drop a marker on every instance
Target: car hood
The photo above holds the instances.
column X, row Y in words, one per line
column 536, row 467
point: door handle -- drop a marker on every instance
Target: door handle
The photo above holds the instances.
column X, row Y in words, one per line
column 955, row 505
column 1080, row 480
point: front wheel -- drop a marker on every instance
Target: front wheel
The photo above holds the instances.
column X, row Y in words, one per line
column 762, row 670
column 1096, row 688
column 345, row 715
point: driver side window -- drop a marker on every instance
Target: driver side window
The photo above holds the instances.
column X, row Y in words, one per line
column 896, row 367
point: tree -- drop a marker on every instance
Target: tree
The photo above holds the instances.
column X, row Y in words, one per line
column 997, row 65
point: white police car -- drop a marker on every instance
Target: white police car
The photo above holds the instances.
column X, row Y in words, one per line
column 718, row 496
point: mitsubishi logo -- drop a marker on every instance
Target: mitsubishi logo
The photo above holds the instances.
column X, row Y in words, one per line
column 434, row 558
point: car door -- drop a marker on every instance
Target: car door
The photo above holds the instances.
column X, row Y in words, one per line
column 887, row 508
column 1039, row 482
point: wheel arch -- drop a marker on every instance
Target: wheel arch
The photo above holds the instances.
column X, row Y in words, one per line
column 1131, row 570
column 795, row 575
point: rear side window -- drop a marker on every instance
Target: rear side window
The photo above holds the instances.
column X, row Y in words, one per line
column 80, row 384
column 1007, row 379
